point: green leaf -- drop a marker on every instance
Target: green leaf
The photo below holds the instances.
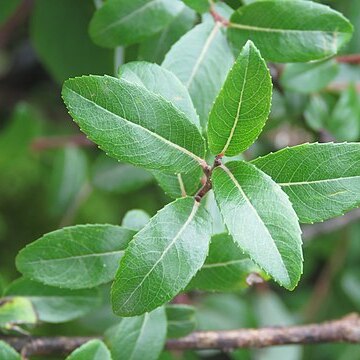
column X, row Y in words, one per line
column 180, row 320
column 67, row 50
column 135, row 219
column 7, row 8
column 123, row 22
column 92, row 350
column 322, row 180
column 110, row 176
column 178, row 185
column 16, row 311
column 178, row 236
column 154, row 49
column 200, row 52
column 261, row 220
column 226, row 267
column 162, row 82
column 55, row 305
column 318, row 110
column 309, row 77
column 68, row 176
column 242, row 106
column 7, row 352
column 75, row 257
column 138, row 338
column 134, row 125
column 290, row 31
column 344, row 122
column 200, row 6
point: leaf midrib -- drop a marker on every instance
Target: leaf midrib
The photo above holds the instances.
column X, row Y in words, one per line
column 203, row 53
column 167, row 142
column 236, row 183
column 299, row 183
column 260, row 29
column 224, row 264
column 77, row 257
column 226, row 146
column 172, row 242
column 145, row 319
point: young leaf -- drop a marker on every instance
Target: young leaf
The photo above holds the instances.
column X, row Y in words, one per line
column 16, row 311
column 200, row 52
column 322, row 180
column 226, row 267
column 261, row 220
column 67, row 51
column 178, row 236
column 7, row 352
column 344, row 122
column 309, row 77
column 123, row 22
column 55, row 305
column 110, row 176
column 138, row 338
column 92, row 350
column 135, row 219
column 160, row 81
column 242, row 106
column 155, row 48
column 180, row 320
column 75, row 257
column 290, row 31
column 179, row 185
column 134, row 125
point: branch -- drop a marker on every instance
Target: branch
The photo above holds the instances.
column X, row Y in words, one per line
column 346, row 330
column 349, row 59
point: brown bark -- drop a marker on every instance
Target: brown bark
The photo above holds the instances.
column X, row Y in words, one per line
column 346, row 329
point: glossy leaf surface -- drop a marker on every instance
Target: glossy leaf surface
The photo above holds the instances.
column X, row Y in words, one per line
column 242, row 106
column 134, row 125
column 200, row 52
column 261, row 220
column 75, row 257
column 290, row 31
column 178, row 237
column 321, row 180
column 160, row 81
